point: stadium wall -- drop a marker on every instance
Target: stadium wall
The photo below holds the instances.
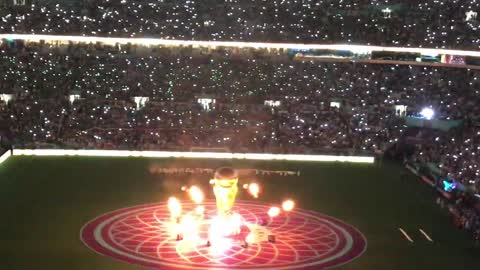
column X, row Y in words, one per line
column 212, row 155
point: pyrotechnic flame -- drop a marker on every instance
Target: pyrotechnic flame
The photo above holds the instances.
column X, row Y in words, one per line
column 212, row 182
column 200, row 210
column 196, row 194
column 274, row 211
column 222, row 226
column 250, row 238
column 220, row 246
column 254, row 189
column 245, row 186
column 184, row 188
column 174, row 207
column 288, row 205
column 189, row 228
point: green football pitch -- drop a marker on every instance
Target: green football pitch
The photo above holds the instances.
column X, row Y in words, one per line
column 45, row 202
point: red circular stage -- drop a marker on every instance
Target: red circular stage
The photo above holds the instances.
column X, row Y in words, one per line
column 304, row 240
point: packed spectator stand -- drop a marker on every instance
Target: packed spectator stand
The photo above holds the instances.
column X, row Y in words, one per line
column 415, row 23
column 83, row 96
column 42, row 77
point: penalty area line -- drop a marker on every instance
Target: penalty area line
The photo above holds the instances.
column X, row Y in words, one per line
column 406, row 235
column 426, row 235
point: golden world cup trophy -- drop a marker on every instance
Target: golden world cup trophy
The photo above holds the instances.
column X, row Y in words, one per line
column 225, row 189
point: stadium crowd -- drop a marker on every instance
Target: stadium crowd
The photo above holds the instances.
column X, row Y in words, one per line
column 432, row 23
column 42, row 77
column 86, row 96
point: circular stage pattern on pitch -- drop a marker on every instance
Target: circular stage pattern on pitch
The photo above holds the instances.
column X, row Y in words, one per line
column 304, row 240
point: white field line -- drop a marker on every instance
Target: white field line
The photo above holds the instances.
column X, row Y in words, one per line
column 405, row 234
column 426, row 235
column 5, row 156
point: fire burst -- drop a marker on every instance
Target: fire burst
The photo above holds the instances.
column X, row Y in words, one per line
column 288, row 205
column 196, row 194
column 225, row 223
column 254, row 189
column 174, row 207
column 274, row 211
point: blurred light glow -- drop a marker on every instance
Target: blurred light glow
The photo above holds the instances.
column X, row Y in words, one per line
column 189, row 228
column 449, row 186
column 250, row 238
column 273, row 212
column 196, row 194
column 200, row 210
column 428, row 113
column 288, row 205
column 254, row 189
column 225, row 225
column 174, row 207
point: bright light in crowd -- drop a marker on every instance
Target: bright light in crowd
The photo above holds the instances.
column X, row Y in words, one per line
column 196, row 194
column 288, row 205
column 184, row 188
column 428, row 113
column 274, row 211
column 254, row 189
column 212, row 182
column 174, row 207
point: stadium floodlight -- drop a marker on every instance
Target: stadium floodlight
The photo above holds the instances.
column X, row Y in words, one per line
column 427, row 113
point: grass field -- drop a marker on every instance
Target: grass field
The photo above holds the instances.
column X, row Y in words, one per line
column 45, row 201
